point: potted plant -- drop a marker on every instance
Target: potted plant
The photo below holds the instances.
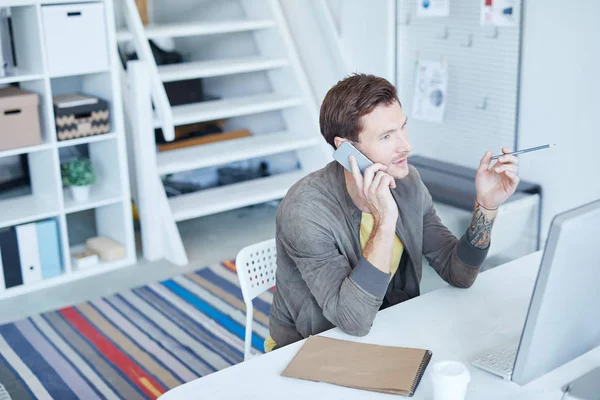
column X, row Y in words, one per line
column 79, row 175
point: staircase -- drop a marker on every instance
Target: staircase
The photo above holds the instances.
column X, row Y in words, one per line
column 244, row 53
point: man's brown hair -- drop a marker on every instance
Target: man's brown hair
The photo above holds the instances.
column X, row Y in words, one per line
column 350, row 99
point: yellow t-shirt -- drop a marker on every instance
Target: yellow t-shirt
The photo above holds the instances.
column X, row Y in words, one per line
column 366, row 227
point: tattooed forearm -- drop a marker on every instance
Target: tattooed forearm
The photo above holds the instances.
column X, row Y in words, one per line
column 480, row 229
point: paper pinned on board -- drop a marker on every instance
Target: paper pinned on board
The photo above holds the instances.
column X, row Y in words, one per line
column 433, row 8
column 430, row 91
column 499, row 12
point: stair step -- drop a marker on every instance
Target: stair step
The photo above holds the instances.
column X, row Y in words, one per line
column 224, row 198
column 229, row 108
column 186, row 159
column 206, row 69
column 197, row 29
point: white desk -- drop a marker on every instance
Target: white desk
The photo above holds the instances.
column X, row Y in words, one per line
column 456, row 324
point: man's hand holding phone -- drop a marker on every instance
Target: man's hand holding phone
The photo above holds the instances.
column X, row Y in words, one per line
column 374, row 191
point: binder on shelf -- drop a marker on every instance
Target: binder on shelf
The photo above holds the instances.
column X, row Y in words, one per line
column 29, row 253
column 11, row 264
column 7, row 61
column 49, row 248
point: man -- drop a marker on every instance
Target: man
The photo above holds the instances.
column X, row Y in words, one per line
column 350, row 244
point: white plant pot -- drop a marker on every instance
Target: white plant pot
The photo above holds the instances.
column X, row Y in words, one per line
column 81, row 193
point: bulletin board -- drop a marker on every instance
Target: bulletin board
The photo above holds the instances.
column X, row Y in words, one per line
column 483, row 79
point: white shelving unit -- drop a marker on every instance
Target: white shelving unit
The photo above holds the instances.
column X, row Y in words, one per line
column 110, row 200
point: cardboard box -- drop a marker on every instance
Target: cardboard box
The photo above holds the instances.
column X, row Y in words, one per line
column 19, row 118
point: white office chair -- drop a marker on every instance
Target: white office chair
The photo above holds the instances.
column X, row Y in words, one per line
column 255, row 265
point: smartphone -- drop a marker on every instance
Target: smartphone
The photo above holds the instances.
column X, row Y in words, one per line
column 346, row 150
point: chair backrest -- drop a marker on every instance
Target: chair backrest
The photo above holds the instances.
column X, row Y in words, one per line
column 256, row 266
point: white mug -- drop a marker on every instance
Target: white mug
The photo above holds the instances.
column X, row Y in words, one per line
column 450, row 380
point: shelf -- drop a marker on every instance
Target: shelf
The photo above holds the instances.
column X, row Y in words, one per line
column 86, row 140
column 99, row 197
column 27, row 46
column 94, row 84
column 24, row 209
column 80, row 73
column 100, row 267
column 40, row 198
column 21, row 3
column 97, row 269
column 106, row 191
column 227, row 151
column 197, row 29
column 218, row 109
column 207, row 69
column 108, row 218
column 20, row 75
column 51, row 2
column 25, row 150
column 224, row 198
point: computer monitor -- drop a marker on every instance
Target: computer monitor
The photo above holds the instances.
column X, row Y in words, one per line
column 563, row 317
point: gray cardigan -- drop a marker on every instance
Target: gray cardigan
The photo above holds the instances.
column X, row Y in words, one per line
column 322, row 278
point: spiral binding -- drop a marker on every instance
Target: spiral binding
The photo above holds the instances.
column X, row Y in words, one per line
column 421, row 371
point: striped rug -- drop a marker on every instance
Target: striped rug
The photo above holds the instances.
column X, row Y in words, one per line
column 133, row 345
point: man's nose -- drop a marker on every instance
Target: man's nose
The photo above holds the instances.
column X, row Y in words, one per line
column 403, row 146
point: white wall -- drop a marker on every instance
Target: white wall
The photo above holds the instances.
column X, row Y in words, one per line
column 560, row 102
column 366, row 39
column 367, row 35
column 315, row 54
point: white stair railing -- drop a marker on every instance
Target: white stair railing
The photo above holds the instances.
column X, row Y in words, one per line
column 160, row 236
column 144, row 53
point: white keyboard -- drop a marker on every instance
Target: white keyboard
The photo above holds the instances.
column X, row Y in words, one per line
column 500, row 362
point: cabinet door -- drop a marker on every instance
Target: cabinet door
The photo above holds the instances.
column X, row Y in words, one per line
column 75, row 38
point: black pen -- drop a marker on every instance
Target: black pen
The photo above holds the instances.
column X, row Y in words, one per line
column 515, row 153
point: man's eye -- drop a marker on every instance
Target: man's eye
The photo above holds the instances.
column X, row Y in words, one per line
column 386, row 137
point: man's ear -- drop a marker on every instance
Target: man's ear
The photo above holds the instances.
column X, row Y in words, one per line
column 338, row 141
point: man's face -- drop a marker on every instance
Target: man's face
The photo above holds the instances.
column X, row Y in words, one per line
column 384, row 139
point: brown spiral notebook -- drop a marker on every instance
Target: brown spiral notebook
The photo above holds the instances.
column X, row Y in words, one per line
column 386, row 369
